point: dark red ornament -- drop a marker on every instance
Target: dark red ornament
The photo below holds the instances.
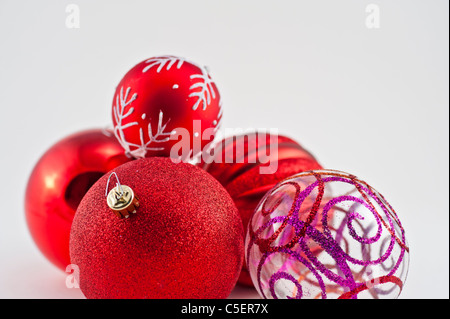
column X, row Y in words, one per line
column 163, row 102
column 182, row 239
column 242, row 164
column 58, row 182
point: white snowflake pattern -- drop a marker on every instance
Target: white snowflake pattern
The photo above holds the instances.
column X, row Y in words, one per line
column 204, row 82
column 120, row 115
column 139, row 150
column 207, row 90
column 202, row 89
column 162, row 61
column 159, row 137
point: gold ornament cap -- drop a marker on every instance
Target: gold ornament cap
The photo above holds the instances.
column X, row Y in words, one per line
column 121, row 199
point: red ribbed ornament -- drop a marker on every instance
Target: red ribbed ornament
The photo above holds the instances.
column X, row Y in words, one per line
column 237, row 161
column 185, row 239
column 59, row 181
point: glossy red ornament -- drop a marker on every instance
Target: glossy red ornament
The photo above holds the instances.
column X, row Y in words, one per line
column 185, row 239
column 57, row 183
column 166, row 101
column 238, row 163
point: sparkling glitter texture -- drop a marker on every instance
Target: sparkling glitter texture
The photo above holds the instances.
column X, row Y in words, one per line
column 326, row 234
column 237, row 166
column 185, row 240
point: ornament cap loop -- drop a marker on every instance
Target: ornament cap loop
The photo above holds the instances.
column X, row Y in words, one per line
column 121, row 199
column 117, row 184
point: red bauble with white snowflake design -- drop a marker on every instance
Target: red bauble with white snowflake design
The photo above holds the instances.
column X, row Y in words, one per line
column 164, row 102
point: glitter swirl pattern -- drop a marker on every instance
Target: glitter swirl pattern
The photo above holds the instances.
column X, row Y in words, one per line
column 326, row 234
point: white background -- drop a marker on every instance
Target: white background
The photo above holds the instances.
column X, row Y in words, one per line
column 372, row 102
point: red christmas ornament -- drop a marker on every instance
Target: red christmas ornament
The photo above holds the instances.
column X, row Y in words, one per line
column 163, row 101
column 58, row 182
column 251, row 164
column 178, row 234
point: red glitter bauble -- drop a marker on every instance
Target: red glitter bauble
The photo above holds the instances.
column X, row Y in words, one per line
column 58, row 182
column 184, row 241
column 166, row 101
column 242, row 165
